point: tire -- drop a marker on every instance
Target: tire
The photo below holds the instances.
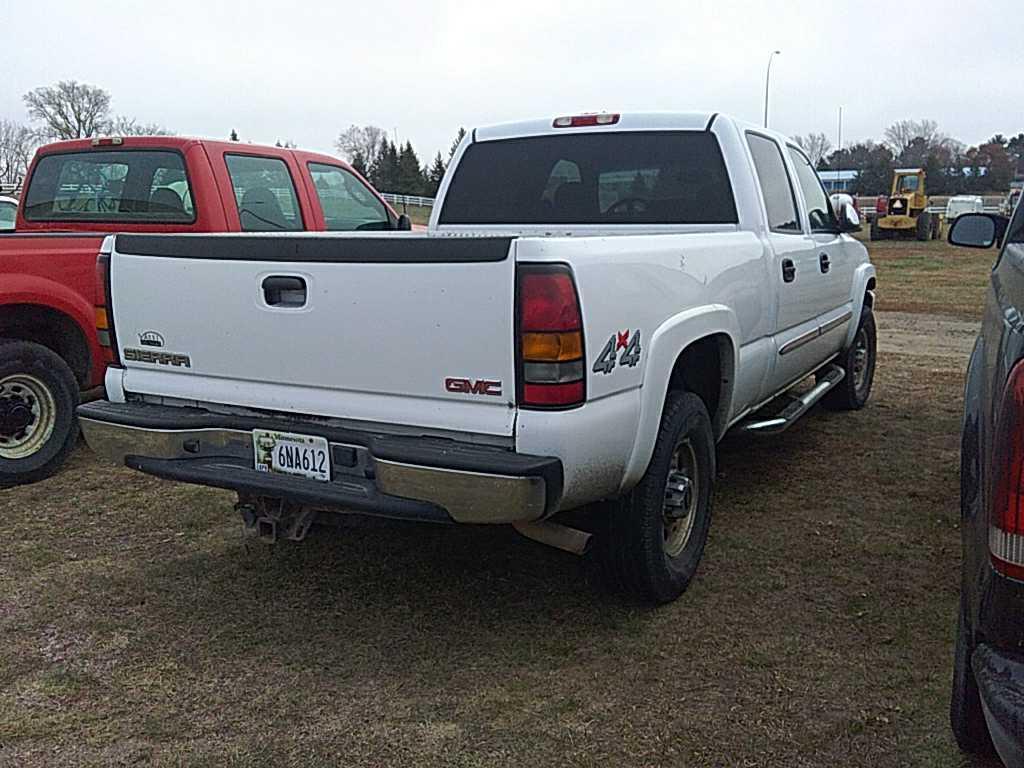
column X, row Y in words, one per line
column 858, row 361
column 966, row 717
column 924, row 226
column 876, row 231
column 638, row 549
column 936, row 228
column 38, row 396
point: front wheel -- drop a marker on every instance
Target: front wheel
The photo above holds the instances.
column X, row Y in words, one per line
column 38, row 395
column 858, row 361
column 649, row 543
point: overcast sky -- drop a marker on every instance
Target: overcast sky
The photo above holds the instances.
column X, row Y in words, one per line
column 303, row 71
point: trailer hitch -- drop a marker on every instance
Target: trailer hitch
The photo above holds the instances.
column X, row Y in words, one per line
column 268, row 519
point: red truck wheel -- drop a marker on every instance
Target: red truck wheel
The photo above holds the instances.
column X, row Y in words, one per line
column 38, row 396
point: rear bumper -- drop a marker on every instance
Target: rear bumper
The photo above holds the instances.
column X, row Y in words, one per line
column 1000, row 678
column 411, row 478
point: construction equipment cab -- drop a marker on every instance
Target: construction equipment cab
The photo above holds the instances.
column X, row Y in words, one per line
column 598, row 300
column 904, row 213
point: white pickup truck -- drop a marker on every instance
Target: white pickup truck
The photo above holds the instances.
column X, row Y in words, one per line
column 598, row 300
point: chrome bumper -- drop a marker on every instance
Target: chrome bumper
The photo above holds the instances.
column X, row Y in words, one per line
column 467, row 496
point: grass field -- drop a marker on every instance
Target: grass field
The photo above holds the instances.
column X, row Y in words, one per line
column 139, row 628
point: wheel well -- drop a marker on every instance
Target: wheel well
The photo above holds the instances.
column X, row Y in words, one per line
column 869, row 293
column 51, row 329
column 705, row 368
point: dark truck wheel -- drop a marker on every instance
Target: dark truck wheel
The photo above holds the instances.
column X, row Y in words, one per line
column 876, row 231
column 38, row 395
column 859, row 363
column 965, row 714
column 649, row 543
column 924, row 226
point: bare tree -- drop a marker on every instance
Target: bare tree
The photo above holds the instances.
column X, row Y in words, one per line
column 815, row 145
column 17, row 145
column 69, row 109
column 129, row 126
column 360, row 142
column 901, row 134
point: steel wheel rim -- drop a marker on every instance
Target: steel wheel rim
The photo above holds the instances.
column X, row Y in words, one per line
column 860, row 359
column 682, row 492
column 28, row 416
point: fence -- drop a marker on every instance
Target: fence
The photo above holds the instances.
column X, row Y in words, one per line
column 404, row 200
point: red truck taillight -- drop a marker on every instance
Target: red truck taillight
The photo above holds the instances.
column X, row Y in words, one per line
column 1006, row 525
column 882, row 204
column 104, row 315
column 550, row 338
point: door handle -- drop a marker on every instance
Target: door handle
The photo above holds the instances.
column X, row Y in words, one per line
column 788, row 271
column 284, row 291
column 824, row 263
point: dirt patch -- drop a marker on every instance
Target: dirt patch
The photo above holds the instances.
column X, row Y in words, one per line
column 926, row 335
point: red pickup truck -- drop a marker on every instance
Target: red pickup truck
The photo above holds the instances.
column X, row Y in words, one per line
column 79, row 191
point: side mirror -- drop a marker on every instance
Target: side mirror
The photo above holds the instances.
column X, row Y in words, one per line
column 977, row 230
column 404, row 223
column 849, row 219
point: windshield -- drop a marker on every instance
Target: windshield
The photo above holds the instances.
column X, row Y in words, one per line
column 110, row 185
column 907, row 184
column 592, row 178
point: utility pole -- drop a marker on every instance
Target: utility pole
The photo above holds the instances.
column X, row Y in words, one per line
column 767, row 81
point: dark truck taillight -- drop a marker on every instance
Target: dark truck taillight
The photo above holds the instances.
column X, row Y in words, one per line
column 1006, row 524
column 104, row 314
column 550, row 343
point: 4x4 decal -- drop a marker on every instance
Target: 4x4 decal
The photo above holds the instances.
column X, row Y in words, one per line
column 605, row 362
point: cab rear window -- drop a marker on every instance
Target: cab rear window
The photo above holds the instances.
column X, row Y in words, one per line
column 118, row 186
column 619, row 177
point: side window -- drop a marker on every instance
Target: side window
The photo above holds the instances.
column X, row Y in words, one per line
column 264, row 193
column 819, row 209
column 346, row 202
column 779, row 200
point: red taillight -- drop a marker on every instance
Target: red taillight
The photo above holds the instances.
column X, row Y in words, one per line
column 1006, row 525
column 550, row 338
column 107, row 141
column 104, row 316
column 579, row 121
column 882, row 204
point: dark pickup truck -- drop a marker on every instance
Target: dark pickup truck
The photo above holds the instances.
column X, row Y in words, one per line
column 987, row 706
column 53, row 339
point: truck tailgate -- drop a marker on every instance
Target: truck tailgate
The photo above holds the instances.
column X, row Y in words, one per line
column 392, row 329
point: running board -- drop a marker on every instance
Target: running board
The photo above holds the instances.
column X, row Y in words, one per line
column 797, row 407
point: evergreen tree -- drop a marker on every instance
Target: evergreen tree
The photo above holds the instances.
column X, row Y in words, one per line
column 358, row 163
column 455, row 144
column 410, row 176
column 234, row 135
column 434, row 175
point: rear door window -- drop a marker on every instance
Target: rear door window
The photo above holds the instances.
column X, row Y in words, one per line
column 117, row 186
column 264, row 193
column 346, row 202
column 618, row 177
column 776, row 187
column 8, row 213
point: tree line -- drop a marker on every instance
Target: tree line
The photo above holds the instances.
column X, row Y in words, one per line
column 389, row 167
column 951, row 166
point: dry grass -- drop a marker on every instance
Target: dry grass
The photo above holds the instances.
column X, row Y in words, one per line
column 932, row 277
column 138, row 628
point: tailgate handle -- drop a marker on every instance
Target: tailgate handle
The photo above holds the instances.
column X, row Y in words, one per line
column 284, row 291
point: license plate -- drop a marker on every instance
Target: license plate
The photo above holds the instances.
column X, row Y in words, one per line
column 287, row 453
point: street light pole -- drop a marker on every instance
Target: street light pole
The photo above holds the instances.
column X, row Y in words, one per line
column 767, row 80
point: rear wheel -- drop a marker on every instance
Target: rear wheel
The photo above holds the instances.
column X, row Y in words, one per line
column 876, row 231
column 38, row 395
column 965, row 714
column 858, row 361
column 649, row 543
